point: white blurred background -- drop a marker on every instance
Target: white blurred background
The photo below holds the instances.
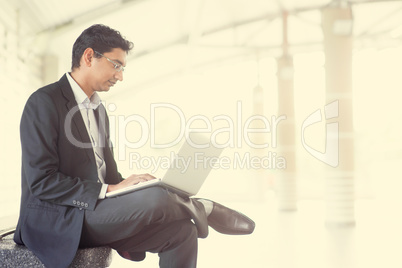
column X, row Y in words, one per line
column 205, row 57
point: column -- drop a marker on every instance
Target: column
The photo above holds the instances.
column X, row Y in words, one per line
column 260, row 171
column 337, row 29
column 286, row 180
column 50, row 69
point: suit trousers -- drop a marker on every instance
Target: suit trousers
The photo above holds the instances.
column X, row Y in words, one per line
column 152, row 219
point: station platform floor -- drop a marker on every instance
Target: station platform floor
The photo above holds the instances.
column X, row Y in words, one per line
column 301, row 239
column 298, row 239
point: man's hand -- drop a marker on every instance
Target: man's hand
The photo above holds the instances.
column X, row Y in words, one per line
column 133, row 179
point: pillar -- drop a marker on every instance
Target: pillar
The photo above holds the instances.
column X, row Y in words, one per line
column 260, row 171
column 50, row 69
column 286, row 181
column 339, row 196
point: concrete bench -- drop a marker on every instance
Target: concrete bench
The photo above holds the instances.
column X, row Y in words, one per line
column 13, row 255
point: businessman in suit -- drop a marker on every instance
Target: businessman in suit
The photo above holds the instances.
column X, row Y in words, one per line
column 68, row 167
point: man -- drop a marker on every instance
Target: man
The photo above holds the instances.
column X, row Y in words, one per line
column 68, row 166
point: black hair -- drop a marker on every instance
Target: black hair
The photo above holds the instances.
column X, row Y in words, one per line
column 100, row 38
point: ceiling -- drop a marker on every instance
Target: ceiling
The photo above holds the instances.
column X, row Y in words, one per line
column 194, row 19
column 197, row 33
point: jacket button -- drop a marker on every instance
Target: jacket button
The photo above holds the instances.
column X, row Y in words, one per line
column 74, row 202
column 86, row 205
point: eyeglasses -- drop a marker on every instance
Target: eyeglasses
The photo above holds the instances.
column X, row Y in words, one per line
column 118, row 67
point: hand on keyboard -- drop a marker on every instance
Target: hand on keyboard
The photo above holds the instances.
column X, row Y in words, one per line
column 132, row 180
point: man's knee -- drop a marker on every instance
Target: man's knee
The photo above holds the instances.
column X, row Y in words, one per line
column 156, row 201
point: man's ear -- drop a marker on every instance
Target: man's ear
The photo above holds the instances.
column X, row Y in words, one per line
column 87, row 56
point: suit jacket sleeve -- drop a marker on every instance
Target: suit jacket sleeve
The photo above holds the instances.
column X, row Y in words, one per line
column 43, row 145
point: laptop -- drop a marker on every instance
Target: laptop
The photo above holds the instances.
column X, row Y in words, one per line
column 184, row 179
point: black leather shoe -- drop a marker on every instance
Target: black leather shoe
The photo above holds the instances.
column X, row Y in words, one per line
column 229, row 221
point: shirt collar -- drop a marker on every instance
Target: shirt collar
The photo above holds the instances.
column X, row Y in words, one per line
column 80, row 97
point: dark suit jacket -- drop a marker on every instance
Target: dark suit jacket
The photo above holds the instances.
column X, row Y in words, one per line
column 59, row 179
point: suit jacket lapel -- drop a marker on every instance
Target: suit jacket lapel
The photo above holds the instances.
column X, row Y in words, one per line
column 112, row 175
column 77, row 121
column 104, row 140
